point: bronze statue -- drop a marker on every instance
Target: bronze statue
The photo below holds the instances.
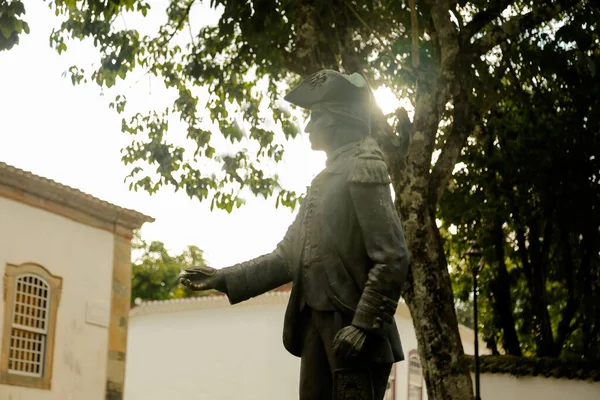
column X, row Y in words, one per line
column 345, row 253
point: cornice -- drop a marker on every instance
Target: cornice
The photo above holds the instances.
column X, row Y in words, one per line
column 280, row 297
column 206, row 302
column 48, row 194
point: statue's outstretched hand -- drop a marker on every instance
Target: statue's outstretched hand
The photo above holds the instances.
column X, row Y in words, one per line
column 203, row 278
column 348, row 342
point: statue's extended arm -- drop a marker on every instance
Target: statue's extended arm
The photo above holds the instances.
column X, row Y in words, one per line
column 254, row 277
column 248, row 279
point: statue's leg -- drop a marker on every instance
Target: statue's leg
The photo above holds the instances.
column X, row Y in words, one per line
column 328, row 325
column 380, row 373
column 315, row 374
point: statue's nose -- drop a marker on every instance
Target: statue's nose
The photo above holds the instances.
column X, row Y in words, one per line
column 309, row 126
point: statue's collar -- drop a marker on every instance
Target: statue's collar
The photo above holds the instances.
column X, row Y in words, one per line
column 344, row 150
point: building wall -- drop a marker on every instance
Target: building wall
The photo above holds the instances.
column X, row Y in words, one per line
column 208, row 349
column 221, row 353
column 83, row 257
column 409, row 342
column 503, row 386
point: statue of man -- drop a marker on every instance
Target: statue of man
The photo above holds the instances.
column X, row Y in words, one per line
column 345, row 252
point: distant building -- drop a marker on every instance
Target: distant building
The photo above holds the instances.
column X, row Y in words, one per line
column 510, row 377
column 66, row 268
column 204, row 348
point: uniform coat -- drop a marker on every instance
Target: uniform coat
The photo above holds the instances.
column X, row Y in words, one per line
column 344, row 252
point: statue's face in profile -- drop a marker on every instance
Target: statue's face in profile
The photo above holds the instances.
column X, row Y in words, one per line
column 320, row 129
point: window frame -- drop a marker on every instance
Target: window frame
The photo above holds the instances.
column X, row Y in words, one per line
column 413, row 354
column 12, row 272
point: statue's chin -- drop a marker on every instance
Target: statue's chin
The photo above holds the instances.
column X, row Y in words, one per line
column 315, row 146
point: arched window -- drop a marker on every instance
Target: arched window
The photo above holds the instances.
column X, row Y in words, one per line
column 29, row 330
column 31, row 299
column 415, row 376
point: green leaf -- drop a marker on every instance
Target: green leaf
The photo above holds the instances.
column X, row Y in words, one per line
column 6, row 30
column 61, row 47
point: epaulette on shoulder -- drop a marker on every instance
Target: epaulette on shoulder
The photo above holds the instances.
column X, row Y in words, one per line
column 367, row 165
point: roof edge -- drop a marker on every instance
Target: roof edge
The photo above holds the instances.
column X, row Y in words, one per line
column 217, row 300
column 536, row 367
column 49, row 190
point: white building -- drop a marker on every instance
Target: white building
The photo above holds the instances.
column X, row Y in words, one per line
column 204, row 348
column 65, row 260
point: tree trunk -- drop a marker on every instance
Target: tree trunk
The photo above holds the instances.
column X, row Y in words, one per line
column 585, row 279
column 565, row 327
column 428, row 292
column 536, row 281
column 430, row 300
column 502, row 303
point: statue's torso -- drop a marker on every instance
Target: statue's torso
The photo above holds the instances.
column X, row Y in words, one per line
column 329, row 239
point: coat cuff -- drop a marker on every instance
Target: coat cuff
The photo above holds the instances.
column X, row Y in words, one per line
column 374, row 311
column 237, row 287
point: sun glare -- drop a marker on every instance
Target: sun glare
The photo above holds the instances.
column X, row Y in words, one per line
column 386, row 99
column 388, row 102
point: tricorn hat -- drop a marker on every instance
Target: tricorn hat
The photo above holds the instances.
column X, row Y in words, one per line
column 328, row 85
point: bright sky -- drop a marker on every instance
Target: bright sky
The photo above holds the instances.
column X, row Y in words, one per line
column 69, row 134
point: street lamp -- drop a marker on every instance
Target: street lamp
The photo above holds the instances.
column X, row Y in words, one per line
column 474, row 254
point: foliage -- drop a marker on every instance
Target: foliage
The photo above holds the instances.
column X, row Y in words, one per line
column 11, row 23
column 244, row 61
column 529, row 193
column 443, row 56
column 155, row 271
column 547, row 367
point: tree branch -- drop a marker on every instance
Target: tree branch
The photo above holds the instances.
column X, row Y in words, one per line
column 414, row 24
column 500, row 287
column 481, row 19
column 432, row 94
column 523, row 252
column 465, row 116
column 447, row 36
column 387, row 140
column 521, row 23
column 462, row 126
column 180, row 23
column 566, row 326
column 548, row 232
column 363, row 22
column 463, row 123
column 458, row 17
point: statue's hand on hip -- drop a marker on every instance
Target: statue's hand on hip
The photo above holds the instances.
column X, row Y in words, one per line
column 203, row 278
column 348, row 342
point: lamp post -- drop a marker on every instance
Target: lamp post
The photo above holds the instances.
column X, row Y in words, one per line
column 474, row 254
